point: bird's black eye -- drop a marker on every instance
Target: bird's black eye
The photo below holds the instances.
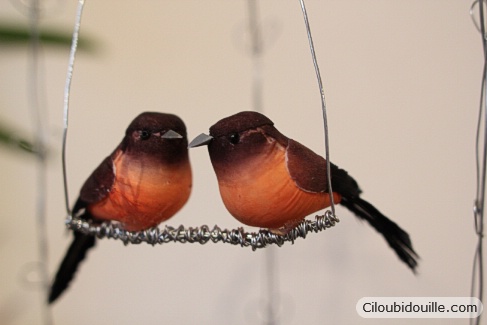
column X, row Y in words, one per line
column 234, row 138
column 144, row 134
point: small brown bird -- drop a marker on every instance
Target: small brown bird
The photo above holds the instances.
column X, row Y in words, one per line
column 144, row 182
column 270, row 181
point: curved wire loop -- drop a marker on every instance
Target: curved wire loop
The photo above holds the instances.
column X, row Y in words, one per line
column 203, row 234
column 472, row 15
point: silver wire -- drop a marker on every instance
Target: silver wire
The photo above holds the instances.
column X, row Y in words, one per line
column 472, row 15
column 67, row 90
column 203, row 234
column 323, row 105
column 477, row 269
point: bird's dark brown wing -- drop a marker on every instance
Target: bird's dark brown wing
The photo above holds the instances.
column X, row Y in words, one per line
column 100, row 182
column 308, row 170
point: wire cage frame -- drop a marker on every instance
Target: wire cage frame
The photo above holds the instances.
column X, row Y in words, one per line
column 202, row 234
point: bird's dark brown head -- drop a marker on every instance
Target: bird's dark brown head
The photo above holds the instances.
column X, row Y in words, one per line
column 158, row 135
column 239, row 122
column 239, row 138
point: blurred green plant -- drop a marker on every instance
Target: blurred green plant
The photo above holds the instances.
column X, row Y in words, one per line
column 13, row 140
column 15, row 35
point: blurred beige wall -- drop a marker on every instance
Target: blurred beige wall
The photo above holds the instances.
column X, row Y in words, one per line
column 402, row 82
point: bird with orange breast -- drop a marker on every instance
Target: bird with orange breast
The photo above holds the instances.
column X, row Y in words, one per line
column 145, row 181
column 269, row 181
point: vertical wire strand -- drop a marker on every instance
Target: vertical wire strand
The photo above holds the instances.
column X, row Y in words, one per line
column 323, row 105
column 41, row 141
column 481, row 163
column 272, row 299
column 67, row 91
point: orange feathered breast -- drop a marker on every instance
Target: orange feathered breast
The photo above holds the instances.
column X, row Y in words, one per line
column 144, row 193
column 261, row 193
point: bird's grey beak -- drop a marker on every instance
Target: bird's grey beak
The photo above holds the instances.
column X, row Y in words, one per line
column 171, row 135
column 200, row 140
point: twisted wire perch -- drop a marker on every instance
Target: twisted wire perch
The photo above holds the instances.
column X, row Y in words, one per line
column 203, row 234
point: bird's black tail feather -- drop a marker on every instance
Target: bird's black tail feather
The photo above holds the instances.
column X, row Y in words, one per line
column 397, row 238
column 75, row 254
